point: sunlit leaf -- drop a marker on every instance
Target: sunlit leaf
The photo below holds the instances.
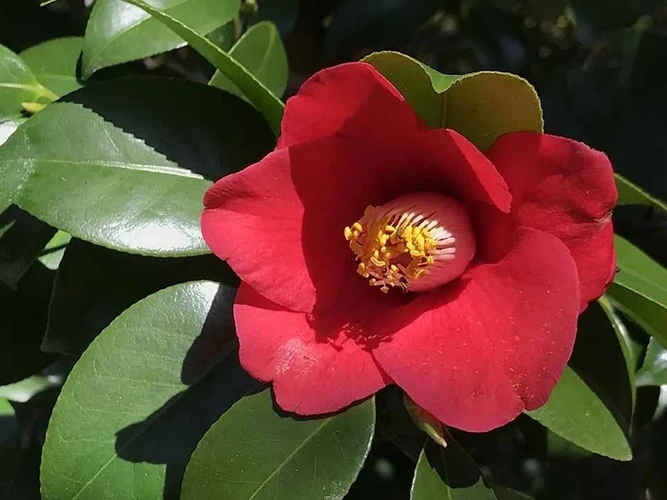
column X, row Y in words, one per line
column 254, row 452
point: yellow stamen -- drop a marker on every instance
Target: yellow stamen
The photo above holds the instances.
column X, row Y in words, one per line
column 392, row 249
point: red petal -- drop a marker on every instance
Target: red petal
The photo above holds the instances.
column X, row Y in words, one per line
column 349, row 98
column 477, row 353
column 279, row 223
column 355, row 101
column 463, row 170
column 317, row 363
column 567, row 189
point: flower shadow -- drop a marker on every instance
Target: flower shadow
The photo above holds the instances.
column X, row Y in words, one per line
column 215, row 380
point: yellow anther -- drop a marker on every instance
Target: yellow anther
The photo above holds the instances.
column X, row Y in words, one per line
column 392, row 249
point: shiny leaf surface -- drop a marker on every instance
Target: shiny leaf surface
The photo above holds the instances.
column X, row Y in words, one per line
column 139, row 399
column 91, row 170
column 254, row 452
column 95, row 284
column 117, row 32
column 640, row 289
column 256, row 92
column 448, row 473
column 481, row 106
column 262, row 52
column 54, row 63
column 17, row 84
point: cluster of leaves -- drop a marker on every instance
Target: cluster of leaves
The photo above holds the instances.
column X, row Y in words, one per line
column 105, row 278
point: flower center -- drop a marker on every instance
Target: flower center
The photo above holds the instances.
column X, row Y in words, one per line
column 416, row 242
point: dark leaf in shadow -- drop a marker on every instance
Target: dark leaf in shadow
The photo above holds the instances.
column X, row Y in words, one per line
column 95, row 284
column 22, row 325
column 205, row 130
column 22, row 239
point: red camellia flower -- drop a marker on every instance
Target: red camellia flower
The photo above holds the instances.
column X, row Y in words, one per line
column 374, row 250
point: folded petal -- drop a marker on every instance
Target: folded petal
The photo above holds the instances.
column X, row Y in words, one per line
column 318, row 363
column 280, row 223
column 349, row 99
column 567, row 189
column 355, row 101
column 477, row 353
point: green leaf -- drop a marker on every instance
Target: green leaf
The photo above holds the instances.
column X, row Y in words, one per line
column 654, row 368
column 256, row 92
column 576, row 413
column 481, row 106
column 505, row 493
column 8, row 424
column 7, row 128
column 54, row 63
column 592, row 404
column 611, row 375
column 25, row 389
column 55, row 250
column 140, row 398
column 640, row 289
column 95, row 284
column 117, row 32
column 448, row 473
column 17, row 84
column 631, row 194
column 262, row 52
column 254, row 452
column 22, row 239
column 80, row 170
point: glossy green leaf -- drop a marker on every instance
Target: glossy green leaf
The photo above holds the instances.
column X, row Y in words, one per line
column 631, row 194
column 640, row 289
column 117, row 32
column 79, row 169
column 256, row 92
column 22, row 240
column 95, row 284
column 611, row 376
column 481, row 106
column 65, row 175
column 592, row 404
column 140, row 398
column 561, row 449
column 262, row 52
column 654, row 368
column 225, row 36
column 576, row 413
column 54, row 63
column 25, row 389
column 17, row 84
column 22, row 236
column 254, row 452
column 54, row 250
column 448, row 473
column 8, row 424
column 7, row 128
